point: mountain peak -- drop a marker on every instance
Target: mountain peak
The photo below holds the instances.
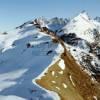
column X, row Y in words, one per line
column 84, row 12
column 84, row 15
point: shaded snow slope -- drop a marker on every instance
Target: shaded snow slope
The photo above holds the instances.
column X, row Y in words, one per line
column 19, row 64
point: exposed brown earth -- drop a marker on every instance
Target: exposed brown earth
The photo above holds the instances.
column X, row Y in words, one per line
column 72, row 83
column 79, row 84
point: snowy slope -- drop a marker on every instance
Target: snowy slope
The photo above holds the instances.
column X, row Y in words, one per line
column 19, row 64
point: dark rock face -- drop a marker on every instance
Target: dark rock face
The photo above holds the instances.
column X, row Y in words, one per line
column 69, row 38
column 73, row 40
column 95, row 49
column 28, row 45
column 97, row 19
column 49, row 52
column 88, row 62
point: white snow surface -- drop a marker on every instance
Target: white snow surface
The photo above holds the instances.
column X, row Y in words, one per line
column 61, row 64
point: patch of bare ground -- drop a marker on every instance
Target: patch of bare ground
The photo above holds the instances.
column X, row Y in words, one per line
column 71, row 83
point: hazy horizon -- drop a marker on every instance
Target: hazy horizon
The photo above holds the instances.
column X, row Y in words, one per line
column 15, row 12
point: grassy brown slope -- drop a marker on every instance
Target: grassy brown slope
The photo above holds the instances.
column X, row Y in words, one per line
column 68, row 93
column 84, row 88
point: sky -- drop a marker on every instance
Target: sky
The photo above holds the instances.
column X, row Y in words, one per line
column 16, row 12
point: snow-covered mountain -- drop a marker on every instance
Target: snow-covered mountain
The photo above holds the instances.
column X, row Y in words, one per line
column 26, row 51
column 83, row 26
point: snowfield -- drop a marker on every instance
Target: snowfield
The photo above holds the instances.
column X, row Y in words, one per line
column 19, row 64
